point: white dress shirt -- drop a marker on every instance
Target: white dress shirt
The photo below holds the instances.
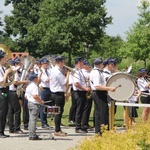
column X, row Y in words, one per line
column 32, row 89
column 78, row 77
column 96, row 78
column 58, row 80
column 141, row 82
column 44, row 77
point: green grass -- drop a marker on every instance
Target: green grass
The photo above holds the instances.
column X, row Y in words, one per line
column 118, row 116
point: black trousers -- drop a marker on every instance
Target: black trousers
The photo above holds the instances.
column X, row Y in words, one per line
column 80, row 97
column 72, row 111
column 3, row 109
column 101, row 109
column 58, row 99
column 25, row 110
column 14, row 112
column 86, row 112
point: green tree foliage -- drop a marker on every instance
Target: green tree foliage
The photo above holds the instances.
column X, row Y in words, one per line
column 137, row 45
column 68, row 25
column 1, row 24
column 24, row 15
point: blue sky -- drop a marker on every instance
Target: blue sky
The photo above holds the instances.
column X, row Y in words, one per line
column 124, row 13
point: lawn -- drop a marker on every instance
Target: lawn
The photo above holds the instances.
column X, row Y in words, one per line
column 118, row 116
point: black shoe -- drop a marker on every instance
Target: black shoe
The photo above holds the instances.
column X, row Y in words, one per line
column 11, row 131
column 2, row 136
column 88, row 128
column 19, row 132
column 45, row 126
column 25, row 128
column 35, row 138
column 80, row 131
column 6, row 135
column 62, row 125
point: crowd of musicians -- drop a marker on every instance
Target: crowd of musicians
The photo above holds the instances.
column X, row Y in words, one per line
column 52, row 84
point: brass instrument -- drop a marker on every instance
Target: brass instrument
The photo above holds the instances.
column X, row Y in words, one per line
column 88, row 94
column 10, row 77
column 28, row 62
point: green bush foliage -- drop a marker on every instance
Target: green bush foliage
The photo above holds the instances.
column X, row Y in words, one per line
column 136, row 138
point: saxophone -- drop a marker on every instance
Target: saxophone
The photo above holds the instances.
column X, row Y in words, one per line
column 88, row 94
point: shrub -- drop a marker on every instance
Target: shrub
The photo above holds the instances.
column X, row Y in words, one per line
column 136, row 138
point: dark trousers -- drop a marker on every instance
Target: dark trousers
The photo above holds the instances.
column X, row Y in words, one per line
column 3, row 110
column 45, row 96
column 101, row 109
column 80, row 97
column 86, row 113
column 58, row 100
column 25, row 110
column 14, row 112
column 72, row 111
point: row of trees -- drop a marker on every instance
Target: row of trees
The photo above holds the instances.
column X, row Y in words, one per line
column 73, row 28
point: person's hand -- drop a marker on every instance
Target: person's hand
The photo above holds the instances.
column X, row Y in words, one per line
column 42, row 102
column 112, row 89
column 9, row 70
column 87, row 89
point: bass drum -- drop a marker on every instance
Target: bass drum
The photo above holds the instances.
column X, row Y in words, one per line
column 125, row 86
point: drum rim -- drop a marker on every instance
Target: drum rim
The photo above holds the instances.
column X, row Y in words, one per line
column 127, row 75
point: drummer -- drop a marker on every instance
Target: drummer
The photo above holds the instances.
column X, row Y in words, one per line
column 34, row 101
column 99, row 95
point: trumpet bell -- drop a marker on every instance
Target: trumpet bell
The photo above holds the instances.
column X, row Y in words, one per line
column 6, row 50
column 10, row 77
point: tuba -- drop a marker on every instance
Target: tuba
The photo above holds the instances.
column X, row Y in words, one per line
column 27, row 62
column 10, row 77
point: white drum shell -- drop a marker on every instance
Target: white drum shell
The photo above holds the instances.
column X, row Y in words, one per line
column 126, row 90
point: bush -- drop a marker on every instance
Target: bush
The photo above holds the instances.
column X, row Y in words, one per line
column 136, row 138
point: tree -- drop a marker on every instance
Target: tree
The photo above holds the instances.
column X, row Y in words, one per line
column 1, row 24
column 24, row 15
column 137, row 45
column 69, row 26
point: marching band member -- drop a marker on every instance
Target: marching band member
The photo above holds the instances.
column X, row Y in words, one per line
column 144, row 87
column 72, row 110
column 14, row 110
column 34, row 101
column 110, row 66
column 3, row 94
column 88, row 105
column 37, row 67
column 99, row 95
column 45, row 89
column 80, row 88
column 58, row 87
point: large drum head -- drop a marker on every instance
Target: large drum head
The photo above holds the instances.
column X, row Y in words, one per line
column 126, row 89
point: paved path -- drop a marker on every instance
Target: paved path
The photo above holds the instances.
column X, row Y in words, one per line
column 22, row 142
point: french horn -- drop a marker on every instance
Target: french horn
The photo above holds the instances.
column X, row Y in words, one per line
column 10, row 77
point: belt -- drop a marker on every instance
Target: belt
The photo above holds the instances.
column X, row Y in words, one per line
column 46, row 88
column 2, row 88
column 58, row 93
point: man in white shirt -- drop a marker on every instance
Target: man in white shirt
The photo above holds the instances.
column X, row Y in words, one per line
column 80, row 89
column 3, row 93
column 58, row 88
column 99, row 95
column 45, row 89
